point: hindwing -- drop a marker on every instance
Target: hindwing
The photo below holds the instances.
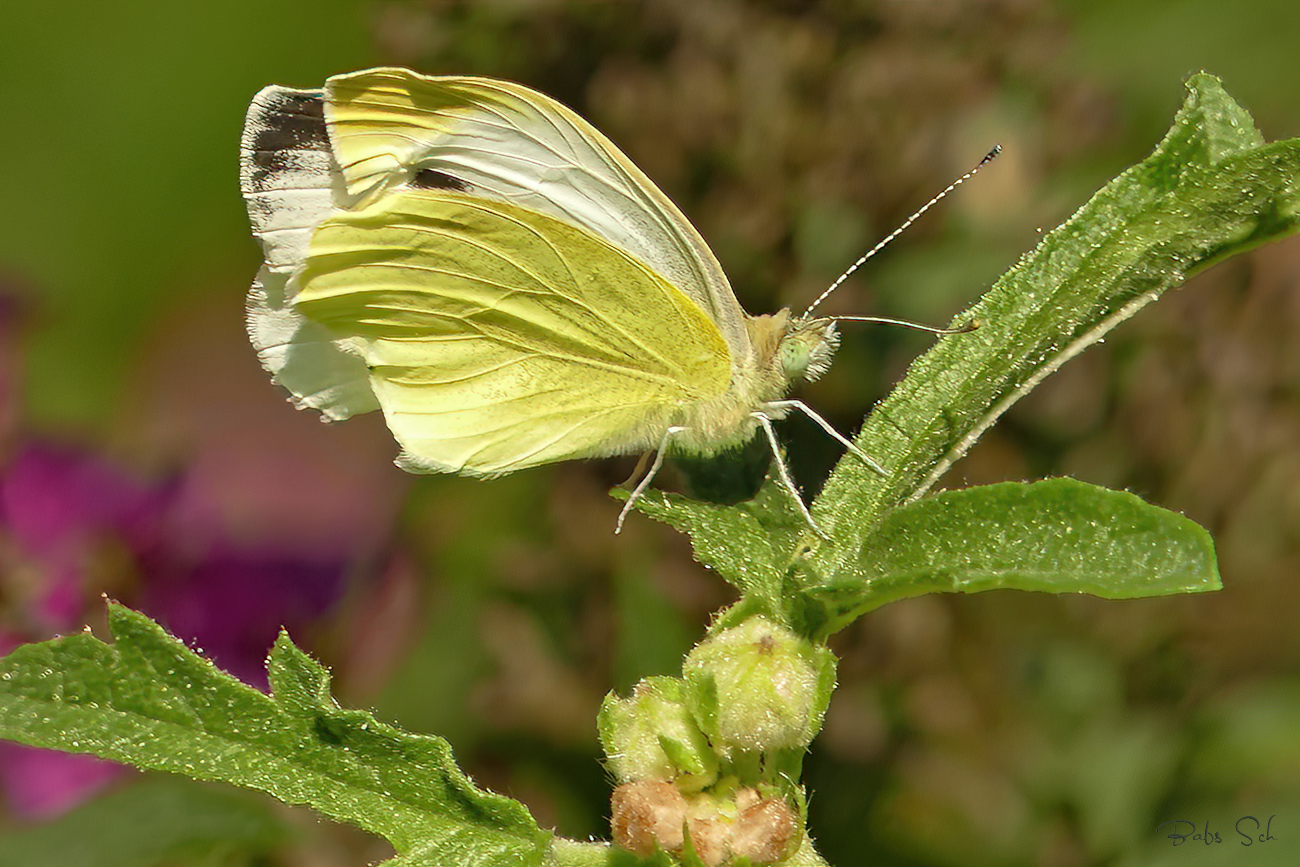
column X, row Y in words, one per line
column 498, row 337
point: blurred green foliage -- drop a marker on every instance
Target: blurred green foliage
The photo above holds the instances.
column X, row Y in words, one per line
column 162, row 820
column 122, row 123
column 1003, row 729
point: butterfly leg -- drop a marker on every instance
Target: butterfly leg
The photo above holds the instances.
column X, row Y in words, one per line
column 641, row 463
column 784, row 472
column 830, row 429
column 647, row 478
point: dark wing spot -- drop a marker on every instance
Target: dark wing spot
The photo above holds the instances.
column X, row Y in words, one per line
column 432, row 179
column 294, row 121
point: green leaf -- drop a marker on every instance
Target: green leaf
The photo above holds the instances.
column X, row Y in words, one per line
column 1057, row 536
column 748, row 545
column 1210, row 190
column 154, row 822
column 149, row 701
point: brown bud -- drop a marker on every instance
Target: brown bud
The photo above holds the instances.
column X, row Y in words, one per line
column 646, row 814
column 709, row 839
column 650, row 814
column 764, row 831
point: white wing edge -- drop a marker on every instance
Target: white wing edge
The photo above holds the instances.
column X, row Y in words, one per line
column 291, row 184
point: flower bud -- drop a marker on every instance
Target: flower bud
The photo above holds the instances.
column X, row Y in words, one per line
column 758, row 686
column 646, row 815
column 652, row 736
column 766, row 830
column 721, row 827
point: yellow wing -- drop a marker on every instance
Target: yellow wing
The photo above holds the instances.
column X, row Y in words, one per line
column 512, row 144
column 498, row 337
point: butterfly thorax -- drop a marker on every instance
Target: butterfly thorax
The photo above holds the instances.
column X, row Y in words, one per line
column 785, row 350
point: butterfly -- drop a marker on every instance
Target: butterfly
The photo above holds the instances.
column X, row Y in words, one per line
column 484, row 266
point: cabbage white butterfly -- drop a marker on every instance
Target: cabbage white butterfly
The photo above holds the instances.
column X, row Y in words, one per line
column 477, row 261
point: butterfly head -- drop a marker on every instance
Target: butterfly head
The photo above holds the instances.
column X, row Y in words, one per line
column 790, row 348
column 807, row 348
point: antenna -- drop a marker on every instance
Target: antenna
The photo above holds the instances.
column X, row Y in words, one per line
column 965, row 328
column 988, row 158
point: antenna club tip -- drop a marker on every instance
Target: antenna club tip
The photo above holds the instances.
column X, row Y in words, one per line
column 968, row 327
column 997, row 149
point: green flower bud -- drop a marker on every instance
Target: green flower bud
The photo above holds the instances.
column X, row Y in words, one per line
column 652, row 736
column 758, row 686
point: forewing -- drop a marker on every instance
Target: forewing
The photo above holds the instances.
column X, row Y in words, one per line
column 500, row 338
column 287, row 175
column 511, row 144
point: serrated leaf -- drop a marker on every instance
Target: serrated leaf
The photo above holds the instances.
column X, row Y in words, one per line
column 149, row 701
column 1210, row 190
column 748, row 545
column 1056, row 536
column 154, row 822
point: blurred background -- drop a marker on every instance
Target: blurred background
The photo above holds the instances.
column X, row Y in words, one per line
column 144, row 454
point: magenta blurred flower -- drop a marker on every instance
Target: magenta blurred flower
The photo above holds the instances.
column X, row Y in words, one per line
column 258, row 531
column 232, row 603
column 57, row 506
column 40, row 784
column 71, row 521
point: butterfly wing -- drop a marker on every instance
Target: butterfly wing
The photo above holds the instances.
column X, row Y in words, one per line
column 499, row 337
column 288, row 178
column 506, row 142
column 400, row 213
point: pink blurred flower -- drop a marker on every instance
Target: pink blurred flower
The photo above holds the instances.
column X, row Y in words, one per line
column 259, row 529
column 67, row 517
column 40, row 784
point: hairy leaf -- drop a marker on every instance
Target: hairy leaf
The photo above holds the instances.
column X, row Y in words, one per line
column 149, row 701
column 1210, row 190
column 1057, row 536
